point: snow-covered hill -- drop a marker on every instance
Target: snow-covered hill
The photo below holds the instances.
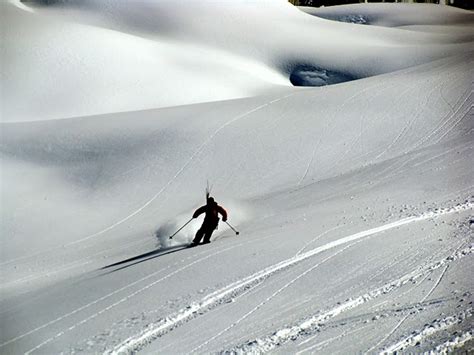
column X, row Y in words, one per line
column 353, row 200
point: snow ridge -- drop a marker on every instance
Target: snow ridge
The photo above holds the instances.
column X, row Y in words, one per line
column 156, row 330
column 430, row 329
column 452, row 344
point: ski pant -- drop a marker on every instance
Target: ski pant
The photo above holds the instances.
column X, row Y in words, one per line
column 206, row 232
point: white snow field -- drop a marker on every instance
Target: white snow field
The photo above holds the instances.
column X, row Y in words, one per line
column 354, row 197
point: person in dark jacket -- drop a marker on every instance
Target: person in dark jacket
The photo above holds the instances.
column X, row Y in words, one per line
column 211, row 220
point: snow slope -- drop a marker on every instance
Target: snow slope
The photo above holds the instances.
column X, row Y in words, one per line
column 396, row 15
column 353, row 200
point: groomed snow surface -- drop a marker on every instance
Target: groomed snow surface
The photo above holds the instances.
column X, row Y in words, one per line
column 353, row 190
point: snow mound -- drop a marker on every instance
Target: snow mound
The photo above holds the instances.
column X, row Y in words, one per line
column 169, row 53
column 394, row 15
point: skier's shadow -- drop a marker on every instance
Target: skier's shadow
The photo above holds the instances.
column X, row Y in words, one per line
column 144, row 257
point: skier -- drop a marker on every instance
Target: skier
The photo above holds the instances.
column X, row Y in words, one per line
column 211, row 220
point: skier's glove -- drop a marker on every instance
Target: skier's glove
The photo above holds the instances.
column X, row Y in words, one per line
column 224, row 219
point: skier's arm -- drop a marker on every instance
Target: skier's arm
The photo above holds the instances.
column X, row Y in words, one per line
column 199, row 211
column 223, row 212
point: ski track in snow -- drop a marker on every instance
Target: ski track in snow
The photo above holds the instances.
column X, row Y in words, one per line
column 401, row 258
column 363, row 130
column 421, row 301
column 326, row 342
column 77, row 310
column 408, row 315
column 328, row 121
column 423, row 140
column 428, row 330
column 452, row 344
column 445, row 121
column 377, row 305
column 408, row 125
column 156, row 330
column 462, row 116
column 284, row 335
column 393, row 170
column 253, row 310
column 124, row 299
column 410, row 290
column 317, row 238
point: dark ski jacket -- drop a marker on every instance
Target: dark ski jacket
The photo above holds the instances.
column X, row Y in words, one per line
column 211, row 209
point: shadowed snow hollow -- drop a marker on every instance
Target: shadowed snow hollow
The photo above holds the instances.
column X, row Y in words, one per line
column 313, row 76
column 169, row 53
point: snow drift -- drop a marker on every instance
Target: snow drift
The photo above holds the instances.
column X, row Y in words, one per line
column 94, row 56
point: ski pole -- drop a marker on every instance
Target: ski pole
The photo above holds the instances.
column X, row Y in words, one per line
column 171, row 237
column 236, row 231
